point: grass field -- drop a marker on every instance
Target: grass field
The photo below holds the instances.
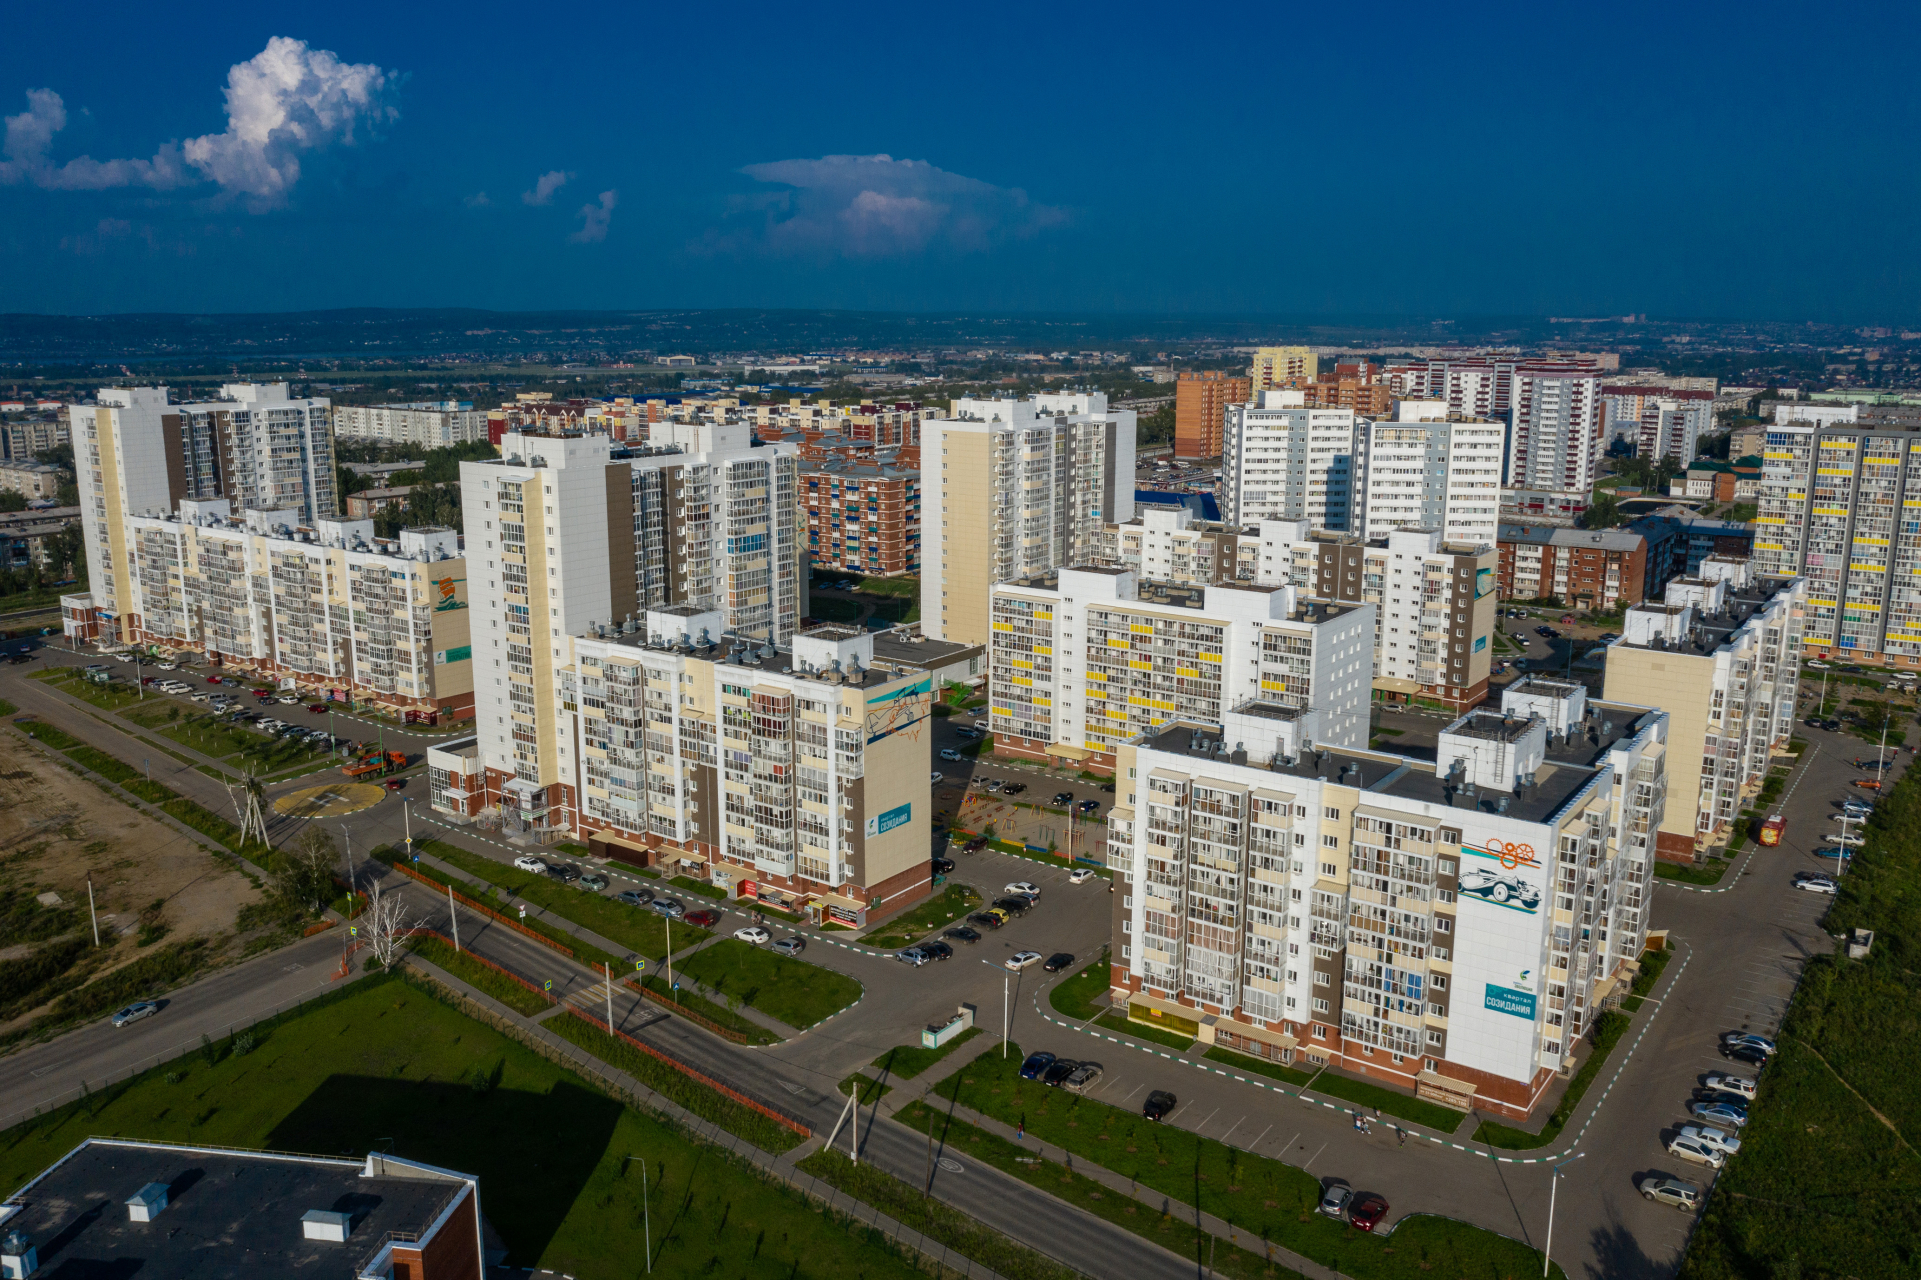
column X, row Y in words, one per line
column 700, row 887
column 1709, row 872
column 481, row 977
column 1258, row 1066
column 635, row 928
column 693, row 1002
column 172, row 803
column 1263, row 1197
column 793, row 991
column 387, row 1065
column 951, row 904
column 1073, row 996
column 909, row 1060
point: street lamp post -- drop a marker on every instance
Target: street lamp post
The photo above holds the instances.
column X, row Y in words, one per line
column 1554, row 1182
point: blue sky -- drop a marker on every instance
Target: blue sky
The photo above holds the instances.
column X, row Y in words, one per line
column 1712, row 160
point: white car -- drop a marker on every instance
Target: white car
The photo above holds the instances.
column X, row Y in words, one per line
column 932, row 778
column 1696, row 1150
column 948, row 753
column 1080, row 875
column 135, row 1012
column 1021, row 959
column 1711, row 1138
column 1817, row 884
column 1848, row 839
column 1022, row 886
column 1739, row 1086
column 755, row 934
column 288, row 699
column 528, row 862
column 168, row 666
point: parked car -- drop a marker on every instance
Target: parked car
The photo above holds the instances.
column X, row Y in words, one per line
column 705, row 918
column 1087, row 806
column 937, row 950
column 1024, row 887
column 1013, row 788
column 948, row 753
column 935, row 778
column 1719, row 1112
column 1818, row 666
column 943, row 866
column 1715, row 1139
column 564, row 872
column 987, row 919
column 755, row 934
column 791, row 946
column 1082, row 1077
column 1829, row 851
column 1058, row 961
column 1694, row 1149
column 992, row 784
column 1022, row 959
column 635, row 897
column 528, row 862
column 1014, row 906
column 1036, row 1064
column 288, row 699
column 1158, row 1104
column 1763, row 1043
column 1816, row 882
column 961, row 933
column 975, row 845
column 1063, row 797
column 912, row 955
column 968, row 732
column 1867, row 784
column 1682, row 1195
column 672, row 908
column 1335, row 1198
column 1057, row 1073
column 1080, row 875
column 1367, row 1212
column 135, row 1012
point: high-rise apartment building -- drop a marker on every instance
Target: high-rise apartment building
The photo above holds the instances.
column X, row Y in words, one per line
column 794, row 775
column 1722, row 656
column 1449, row 924
column 1663, row 422
column 430, row 425
column 1173, row 545
column 1275, row 367
column 136, row 454
column 1834, row 508
column 1558, row 428
column 1433, row 599
column 327, row 608
column 1427, row 469
column 1281, row 460
column 570, row 532
column 1018, row 487
column 862, row 517
column 1084, row 658
column 1200, row 411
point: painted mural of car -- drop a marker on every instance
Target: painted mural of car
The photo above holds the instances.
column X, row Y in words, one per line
column 1485, row 882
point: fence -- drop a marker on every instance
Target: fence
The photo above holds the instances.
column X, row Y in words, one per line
column 483, row 960
column 669, row 1004
column 785, row 1121
column 485, row 910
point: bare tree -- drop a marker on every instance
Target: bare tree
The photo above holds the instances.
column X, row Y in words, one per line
column 385, row 924
column 307, row 869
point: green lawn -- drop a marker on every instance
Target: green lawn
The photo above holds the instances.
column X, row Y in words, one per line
column 1265, row 1199
column 638, row 929
column 1121, row 1024
column 871, row 1090
column 1259, row 1066
column 909, row 1060
column 690, row 1001
column 480, row 977
column 1652, row 965
column 387, row 1065
column 1365, row 1095
column 1608, row 1030
column 1074, row 996
column 797, row 993
column 700, row 887
column 943, row 909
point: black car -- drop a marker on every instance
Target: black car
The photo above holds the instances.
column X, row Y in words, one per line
column 1544, row 631
column 1063, row 797
column 1036, row 1065
column 1058, row 961
column 1832, row 726
column 986, row 921
column 1157, row 1106
column 1013, row 788
column 943, row 865
column 1062, row 1068
column 1015, row 905
column 961, row 933
column 937, row 950
column 1088, row 806
column 1745, row 1053
column 562, row 872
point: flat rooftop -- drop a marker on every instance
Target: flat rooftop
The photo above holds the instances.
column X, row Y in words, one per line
column 1493, row 726
column 893, row 646
column 229, row 1216
column 752, row 657
column 1711, row 630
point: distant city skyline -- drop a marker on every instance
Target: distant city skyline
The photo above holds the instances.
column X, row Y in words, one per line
column 1505, row 161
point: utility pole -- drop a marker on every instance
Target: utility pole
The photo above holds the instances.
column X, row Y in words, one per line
column 90, row 912
column 928, row 1186
column 453, row 916
column 608, row 971
column 1004, row 1017
column 348, row 836
column 1554, row 1183
column 407, row 816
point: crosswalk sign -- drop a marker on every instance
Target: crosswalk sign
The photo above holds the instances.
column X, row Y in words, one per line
column 640, row 966
column 550, row 985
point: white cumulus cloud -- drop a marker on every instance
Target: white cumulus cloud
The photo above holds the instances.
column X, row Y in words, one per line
column 286, row 100
column 594, row 219
column 545, row 186
column 877, row 206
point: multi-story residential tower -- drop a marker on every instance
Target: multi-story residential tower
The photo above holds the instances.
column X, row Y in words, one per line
column 1173, row 545
column 1834, row 507
column 1433, row 599
column 326, row 608
column 125, row 468
column 1018, row 487
column 1558, row 428
column 1083, row 659
column 1284, row 461
column 1582, row 568
column 863, row 517
column 429, row 425
column 1662, row 422
column 1449, row 925
column 1275, row 367
column 1722, row 656
column 565, row 532
column 792, row 775
column 1426, row 469
column 1200, row 411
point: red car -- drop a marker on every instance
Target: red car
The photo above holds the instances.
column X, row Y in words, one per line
column 1367, row 1212
column 265, row 695
column 395, row 784
column 318, row 708
column 705, row 919
column 214, row 680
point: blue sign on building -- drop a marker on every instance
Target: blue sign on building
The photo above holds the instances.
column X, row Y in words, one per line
column 1507, row 1000
column 895, row 817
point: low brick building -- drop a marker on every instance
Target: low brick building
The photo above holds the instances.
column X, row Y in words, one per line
column 1583, row 568
column 862, row 517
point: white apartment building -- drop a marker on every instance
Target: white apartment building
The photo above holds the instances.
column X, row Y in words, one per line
column 1434, row 603
column 1449, row 926
column 566, row 533
column 430, row 425
column 1662, row 422
column 1815, row 415
column 1429, row 470
column 1017, row 487
column 793, row 775
column 258, row 448
column 1281, row 460
column 1558, row 428
column 1083, row 659
column 1722, row 656
column 326, row 608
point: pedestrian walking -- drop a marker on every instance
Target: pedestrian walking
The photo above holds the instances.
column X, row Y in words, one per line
column 1020, row 1130
column 1403, row 1133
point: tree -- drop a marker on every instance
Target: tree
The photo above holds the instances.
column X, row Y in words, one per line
column 1157, row 427
column 11, row 501
column 306, row 874
column 1604, row 511
column 386, row 924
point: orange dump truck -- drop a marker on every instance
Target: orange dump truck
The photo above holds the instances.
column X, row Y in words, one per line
column 376, row 764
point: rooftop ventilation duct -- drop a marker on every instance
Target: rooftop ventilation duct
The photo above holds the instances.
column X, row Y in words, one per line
column 326, row 1224
column 147, row 1203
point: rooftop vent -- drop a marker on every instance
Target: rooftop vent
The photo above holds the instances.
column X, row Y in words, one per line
column 18, row 1256
column 147, row 1203
column 326, row 1224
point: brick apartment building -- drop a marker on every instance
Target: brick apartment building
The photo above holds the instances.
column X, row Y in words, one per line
column 1584, row 568
column 1200, row 410
column 863, row 517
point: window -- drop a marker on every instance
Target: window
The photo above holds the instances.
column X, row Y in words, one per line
column 1329, row 869
column 1331, row 813
column 1323, row 979
column 1330, row 842
column 1439, row 1011
column 1320, row 1006
column 1443, row 924
column 1438, row 981
column 1435, row 1037
column 1446, row 865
